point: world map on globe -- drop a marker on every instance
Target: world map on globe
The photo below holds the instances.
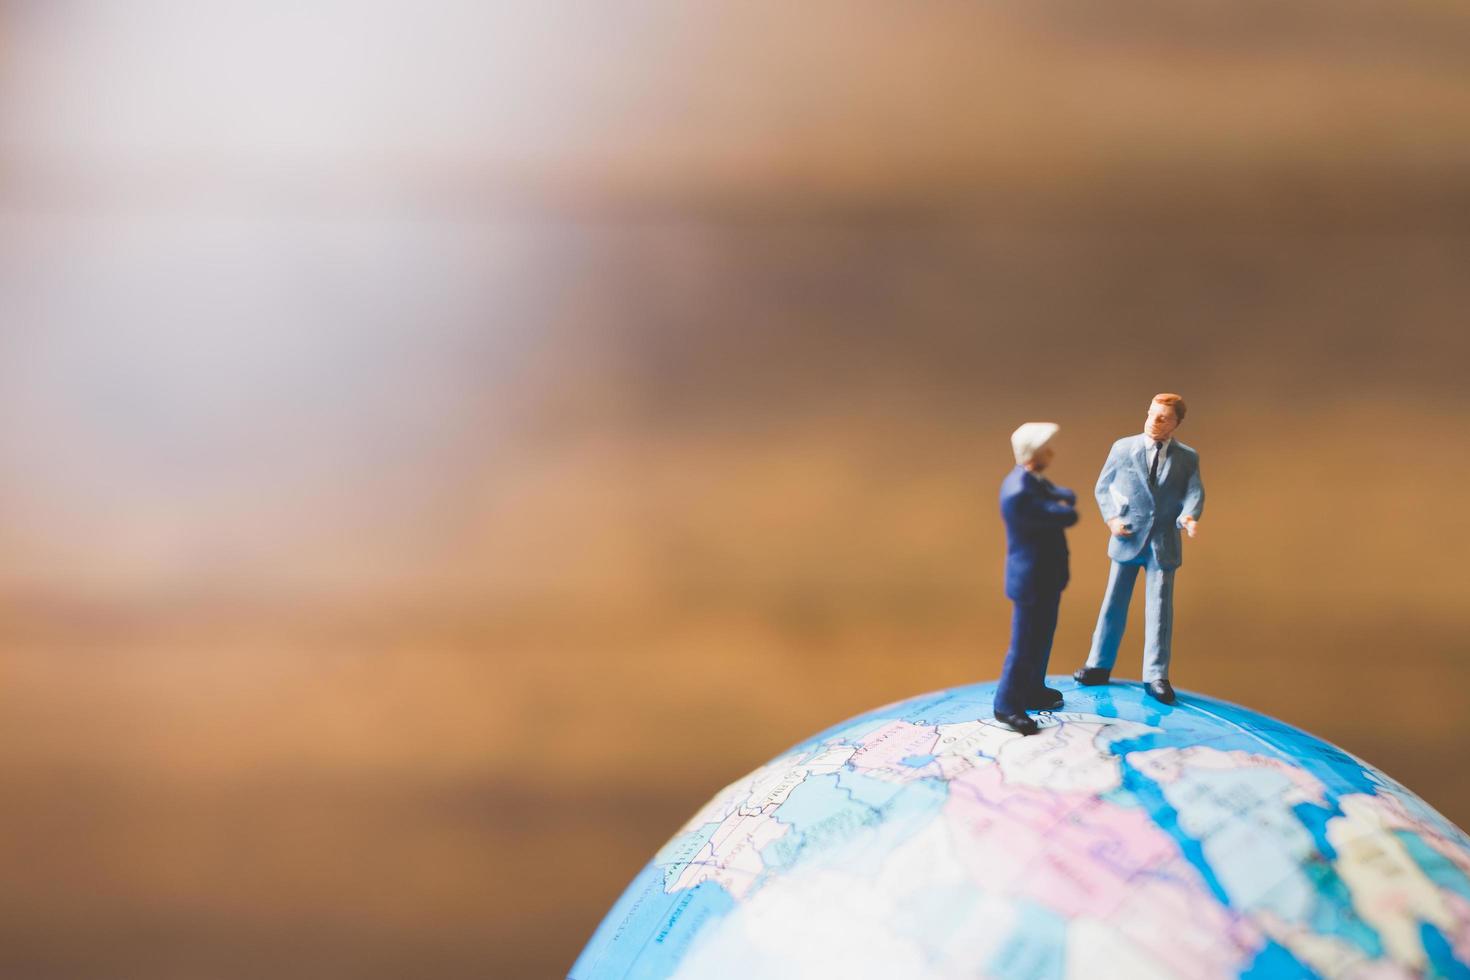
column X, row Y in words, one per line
column 1126, row 839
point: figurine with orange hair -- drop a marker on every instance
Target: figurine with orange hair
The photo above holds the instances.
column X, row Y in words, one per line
column 1148, row 491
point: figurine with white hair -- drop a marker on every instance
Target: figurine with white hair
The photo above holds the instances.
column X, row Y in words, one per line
column 1036, row 515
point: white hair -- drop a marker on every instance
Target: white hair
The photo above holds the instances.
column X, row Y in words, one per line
column 1030, row 437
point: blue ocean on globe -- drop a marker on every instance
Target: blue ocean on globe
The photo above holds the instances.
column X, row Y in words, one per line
column 1126, row 839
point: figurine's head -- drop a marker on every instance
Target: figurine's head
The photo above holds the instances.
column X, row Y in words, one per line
column 1165, row 413
column 1030, row 444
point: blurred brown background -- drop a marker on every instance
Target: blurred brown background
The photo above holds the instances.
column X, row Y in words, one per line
column 442, row 444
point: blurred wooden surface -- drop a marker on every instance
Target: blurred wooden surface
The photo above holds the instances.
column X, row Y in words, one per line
column 422, row 489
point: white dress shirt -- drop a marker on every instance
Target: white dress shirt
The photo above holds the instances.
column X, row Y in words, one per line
column 1152, row 448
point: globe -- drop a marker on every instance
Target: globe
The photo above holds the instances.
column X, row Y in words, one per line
column 1126, row 839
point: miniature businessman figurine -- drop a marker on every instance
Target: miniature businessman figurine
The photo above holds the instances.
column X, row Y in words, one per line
column 1149, row 489
column 1037, row 515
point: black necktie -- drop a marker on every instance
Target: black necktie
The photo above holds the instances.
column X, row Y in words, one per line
column 1153, row 470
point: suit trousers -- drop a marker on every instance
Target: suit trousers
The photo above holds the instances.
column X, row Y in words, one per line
column 1033, row 624
column 1158, row 615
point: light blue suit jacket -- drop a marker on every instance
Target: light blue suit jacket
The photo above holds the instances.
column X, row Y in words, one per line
column 1151, row 513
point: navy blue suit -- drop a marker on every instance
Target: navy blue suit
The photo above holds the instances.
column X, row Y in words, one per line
column 1037, row 515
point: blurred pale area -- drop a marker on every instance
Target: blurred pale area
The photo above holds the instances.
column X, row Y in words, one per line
column 442, row 444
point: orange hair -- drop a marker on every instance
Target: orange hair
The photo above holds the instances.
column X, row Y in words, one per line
column 1169, row 398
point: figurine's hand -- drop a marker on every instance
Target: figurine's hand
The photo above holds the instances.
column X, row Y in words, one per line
column 1190, row 525
column 1119, row 527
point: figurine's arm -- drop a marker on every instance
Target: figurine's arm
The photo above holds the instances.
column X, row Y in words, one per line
column 1194, row 501
column 1051, row 512
column 1110, row 506
column 1036, row 511
column 1063, row 494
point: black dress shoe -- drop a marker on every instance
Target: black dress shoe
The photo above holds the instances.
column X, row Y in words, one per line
column 1092, row 676
column 1161, row 690
column 1047, row 699
column 1018, row 721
